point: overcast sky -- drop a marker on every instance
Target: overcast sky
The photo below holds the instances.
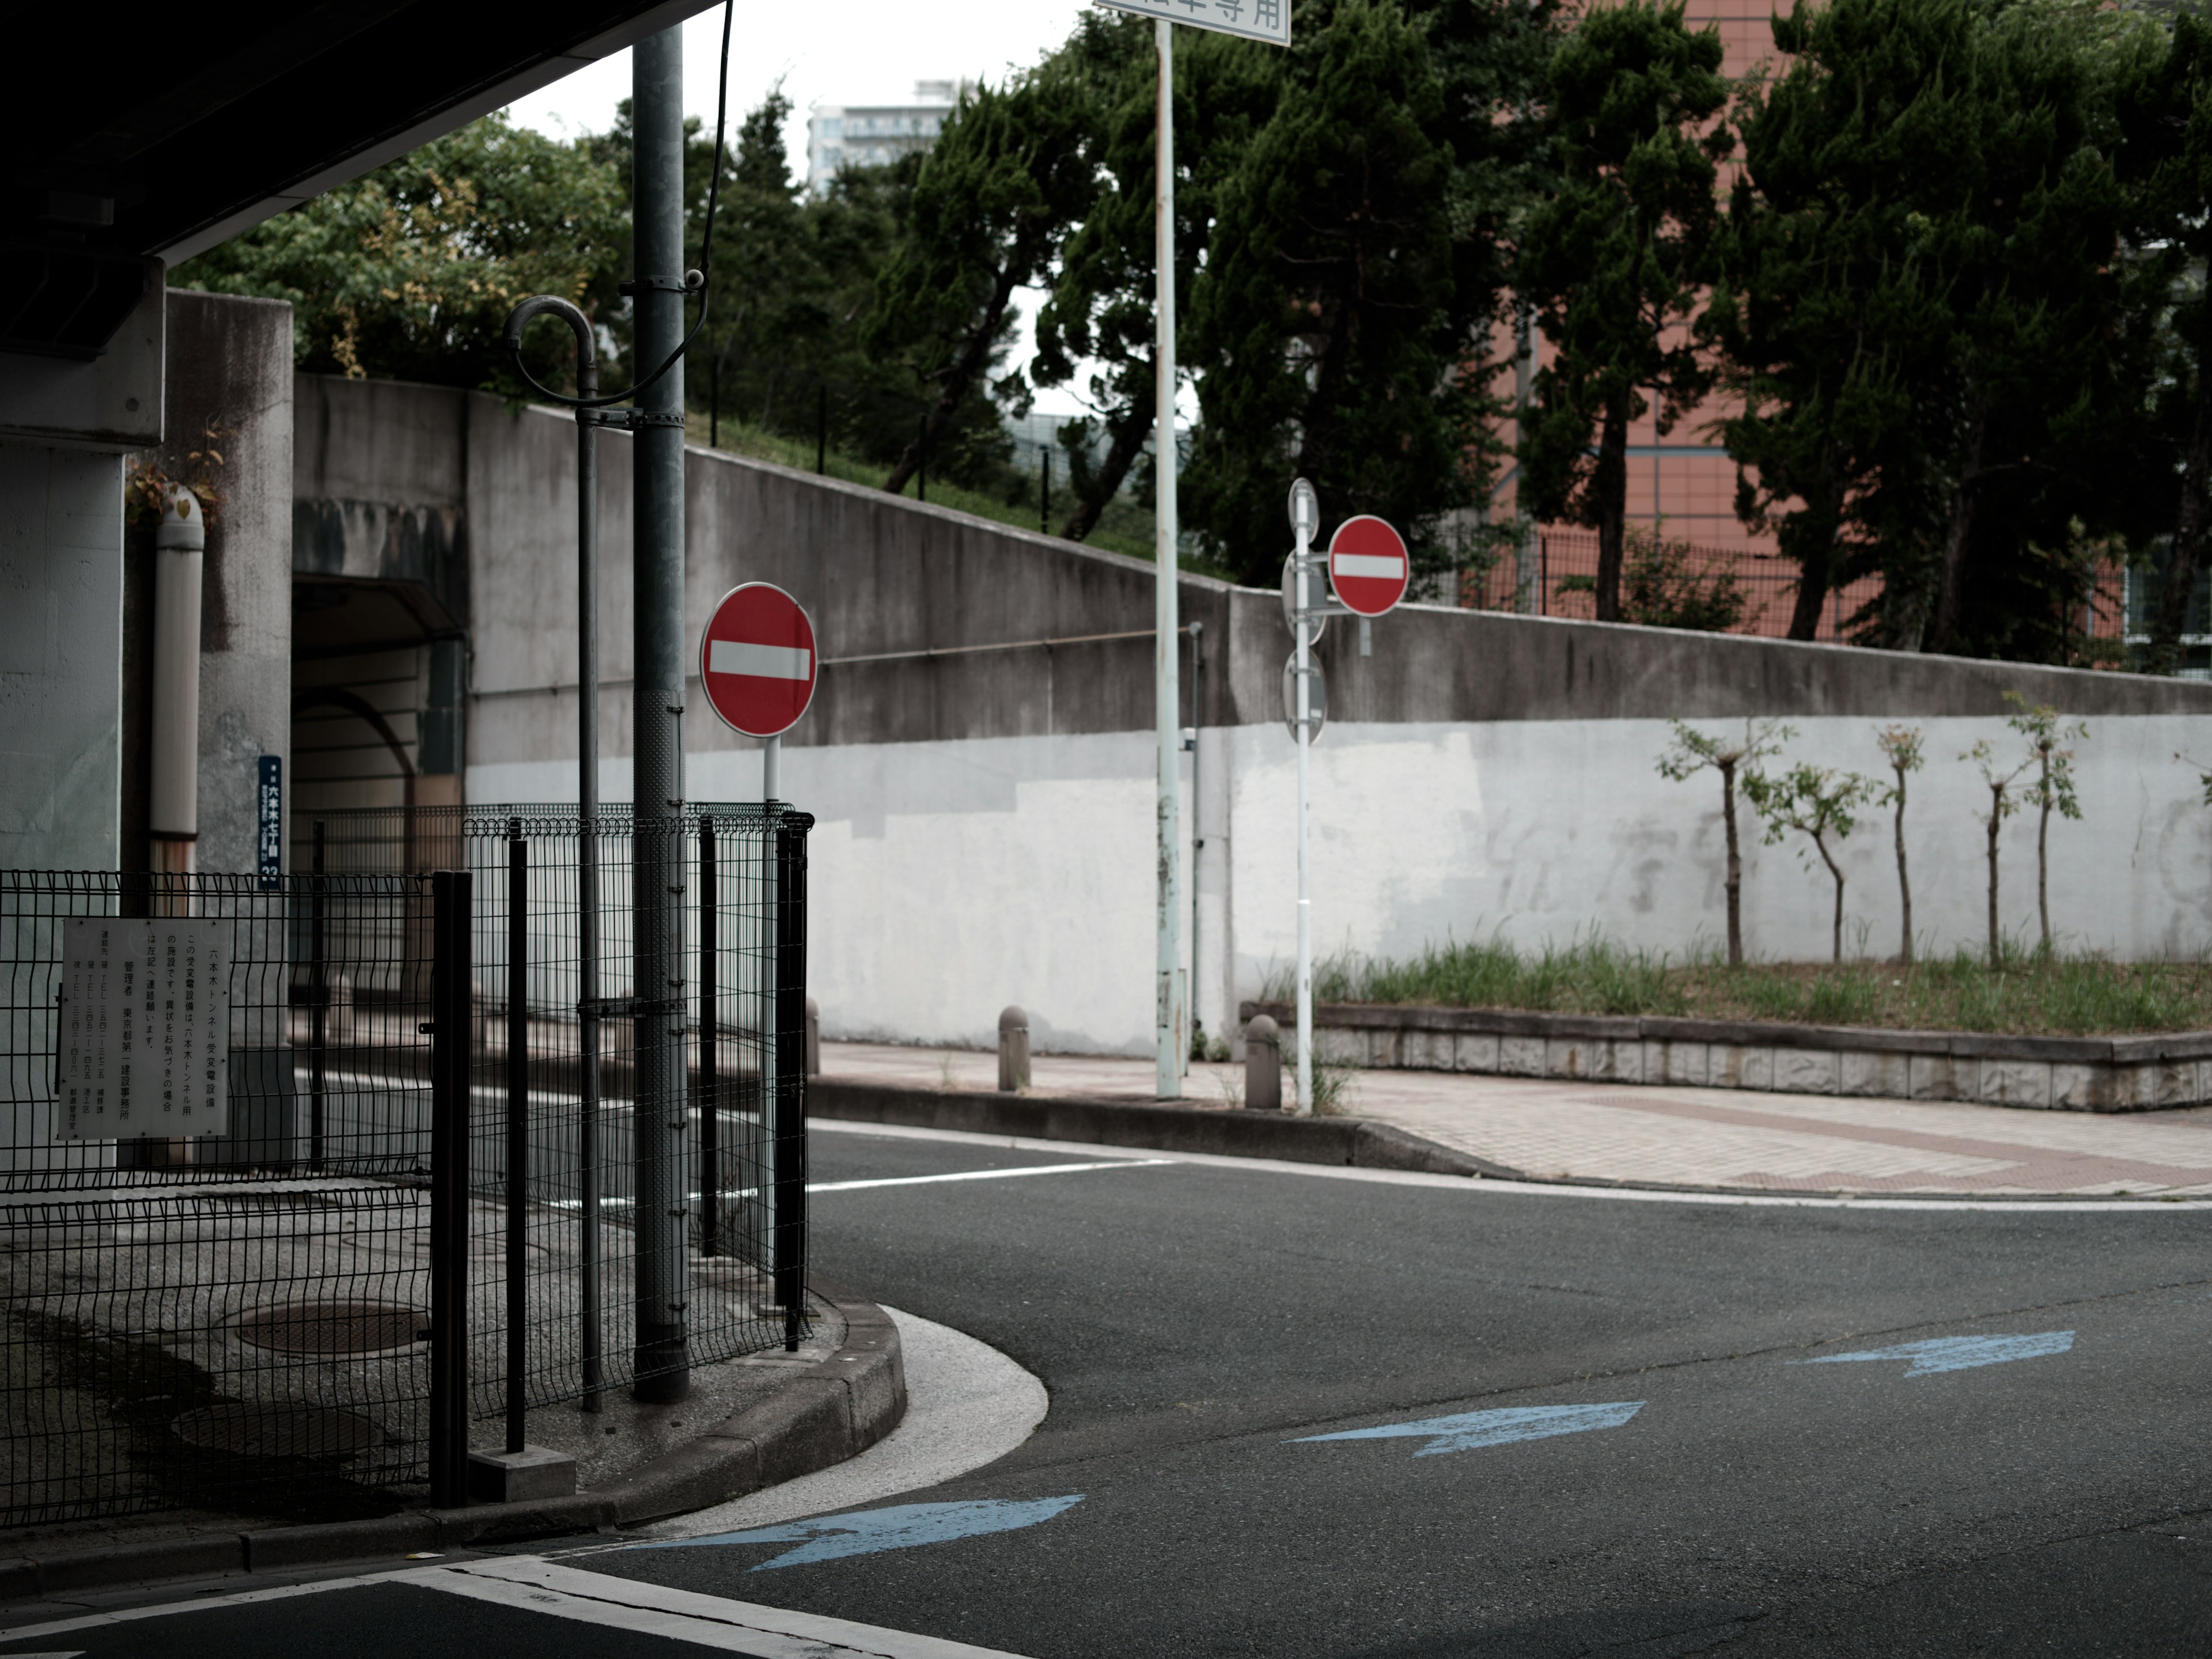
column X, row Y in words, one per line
column 848, row 51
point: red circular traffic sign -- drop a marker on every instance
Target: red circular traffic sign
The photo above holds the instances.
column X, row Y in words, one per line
column 757, row 660
column 1368, row 565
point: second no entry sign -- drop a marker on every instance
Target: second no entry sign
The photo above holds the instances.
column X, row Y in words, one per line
column 1367, row 565
column 757, row 661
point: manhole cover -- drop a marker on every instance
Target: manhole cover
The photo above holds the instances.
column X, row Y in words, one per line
column 248, row 1431
column 332, row 1328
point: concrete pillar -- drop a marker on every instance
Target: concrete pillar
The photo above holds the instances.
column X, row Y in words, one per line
column 1014, row 1051
column 1263, row 1064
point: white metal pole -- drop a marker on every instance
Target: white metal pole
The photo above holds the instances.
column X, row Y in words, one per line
column 771, row 765
column 1168, row 1081
column 1303, row 676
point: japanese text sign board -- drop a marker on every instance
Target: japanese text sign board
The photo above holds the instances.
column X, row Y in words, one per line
column 1256, row 20
column 757, row 661
column 1368, row 565
column 145, row 1029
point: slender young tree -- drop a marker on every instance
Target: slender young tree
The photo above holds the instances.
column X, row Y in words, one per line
column 1693, row 750
column 1901, row 748
column 2052, row 791
column 1614, row 263
column 1820, row 804
column 2004, row 802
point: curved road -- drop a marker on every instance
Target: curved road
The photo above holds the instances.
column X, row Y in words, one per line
column 1634, row 1455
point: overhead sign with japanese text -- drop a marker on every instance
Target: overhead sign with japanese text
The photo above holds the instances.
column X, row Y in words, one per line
column 1256, row 20
column 145, row 1029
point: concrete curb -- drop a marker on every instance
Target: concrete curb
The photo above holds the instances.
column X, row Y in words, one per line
column 822, row 1415
column 1357, row 1142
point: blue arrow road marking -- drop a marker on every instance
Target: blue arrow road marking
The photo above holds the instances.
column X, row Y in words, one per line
column 864, row 1532
column 1957, row 1354
column 1470, row 1430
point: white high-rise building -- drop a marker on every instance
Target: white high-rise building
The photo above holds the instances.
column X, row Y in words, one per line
column 875, row 135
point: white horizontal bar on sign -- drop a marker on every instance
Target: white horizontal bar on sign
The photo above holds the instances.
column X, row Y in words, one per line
column 766, row 662
column 1361, row 564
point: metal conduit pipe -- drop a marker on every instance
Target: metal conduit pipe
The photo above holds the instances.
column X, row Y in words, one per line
column 180, row 555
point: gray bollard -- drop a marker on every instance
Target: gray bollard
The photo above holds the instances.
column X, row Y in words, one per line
column 813, row 1038
column 1014, row 1051
column 1263, row 1064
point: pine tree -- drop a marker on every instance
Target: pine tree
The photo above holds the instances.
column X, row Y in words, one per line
column 1614, row 262
column 1328, row 329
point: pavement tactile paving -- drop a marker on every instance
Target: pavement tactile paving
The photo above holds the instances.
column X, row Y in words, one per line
column 1674, row 1136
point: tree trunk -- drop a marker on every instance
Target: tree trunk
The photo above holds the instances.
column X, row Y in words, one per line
column 1996, row 818
column 2043, row 856
column 1812, row 596
column 2164, row 655
column 1128, row 434
column 1735, row 883
column 1904, row 880
column 1610, row 495
column 958, row 381
column 1956, row 535
column 1836, row 932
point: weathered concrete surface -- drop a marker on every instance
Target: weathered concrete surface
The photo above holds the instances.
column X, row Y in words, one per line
column 986, row 818
column 230, row 385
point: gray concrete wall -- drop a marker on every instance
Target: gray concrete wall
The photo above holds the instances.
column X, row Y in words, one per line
column 65, row 429
column 230, row 372
column 985, row 820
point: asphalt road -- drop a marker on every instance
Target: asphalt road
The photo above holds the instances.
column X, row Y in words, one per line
column 1195, row 1323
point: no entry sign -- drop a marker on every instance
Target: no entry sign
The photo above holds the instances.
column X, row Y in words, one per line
column 757, row 660
column 1367, row 565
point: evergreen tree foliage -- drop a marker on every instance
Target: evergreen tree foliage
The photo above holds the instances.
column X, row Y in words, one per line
column 993, row 200
column 409, row 271
column 1613, row 263
column 1328, row 330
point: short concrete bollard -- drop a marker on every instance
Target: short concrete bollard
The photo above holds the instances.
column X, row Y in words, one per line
column 813, row 1038
column 1013, row 1052
column 1263, row 1064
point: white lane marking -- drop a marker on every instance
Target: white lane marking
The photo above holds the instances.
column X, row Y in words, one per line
column 1486, row 1185
column 767, row 662
column 1366, row 564
column 982, row 1174
column 710, row 1621
column 967, row 1405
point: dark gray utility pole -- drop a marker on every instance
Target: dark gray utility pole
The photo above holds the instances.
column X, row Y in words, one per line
column 662, row 1362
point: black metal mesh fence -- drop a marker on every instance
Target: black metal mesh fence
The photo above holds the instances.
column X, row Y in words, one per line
column 236, row 1313
column 197, row 1313
column 741, row 1160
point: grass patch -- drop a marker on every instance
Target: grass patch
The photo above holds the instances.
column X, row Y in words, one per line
column 2031, row 994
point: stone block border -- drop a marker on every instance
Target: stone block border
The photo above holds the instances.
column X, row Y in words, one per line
column 821, row 1415
column 2074, row 1075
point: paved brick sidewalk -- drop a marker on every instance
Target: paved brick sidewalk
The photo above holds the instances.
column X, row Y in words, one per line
column 1680, row 1136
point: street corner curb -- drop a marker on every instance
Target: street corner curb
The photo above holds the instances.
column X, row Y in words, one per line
column 1164, row 1127
column 824, row 1413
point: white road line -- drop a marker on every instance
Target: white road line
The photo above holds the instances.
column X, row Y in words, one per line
column 982, row 1174
column 1487, row 1186
column 709, row 1621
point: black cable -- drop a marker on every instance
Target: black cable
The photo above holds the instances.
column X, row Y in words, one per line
column 706, row 257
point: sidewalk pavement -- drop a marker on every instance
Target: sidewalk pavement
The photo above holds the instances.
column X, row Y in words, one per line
column 1680, row 1136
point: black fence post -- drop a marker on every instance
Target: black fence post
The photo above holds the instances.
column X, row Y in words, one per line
column 710, row 1042
column 788, row 851
column 1044, row 495
column 921, row 463
column 451, row 1011
column 518, row 1127
column 319, row 993
column 822, row 428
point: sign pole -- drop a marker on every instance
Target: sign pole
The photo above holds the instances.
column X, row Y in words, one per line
column 1169, row 1022
column 1305, row 512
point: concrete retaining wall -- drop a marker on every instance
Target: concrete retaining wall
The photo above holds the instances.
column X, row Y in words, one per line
column 2075, row 1074
column 986, row 819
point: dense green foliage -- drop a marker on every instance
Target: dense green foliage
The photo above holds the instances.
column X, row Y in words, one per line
column 1943, row 261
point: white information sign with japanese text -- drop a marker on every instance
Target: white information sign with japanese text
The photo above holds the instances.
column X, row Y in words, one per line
column 145, row 1029
column 1256, row 20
